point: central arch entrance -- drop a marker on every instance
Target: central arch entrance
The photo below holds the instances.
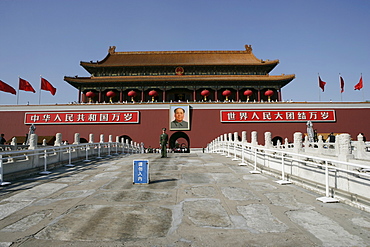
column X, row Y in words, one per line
column 180, row 142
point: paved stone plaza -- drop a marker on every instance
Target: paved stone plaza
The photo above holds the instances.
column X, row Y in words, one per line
column 193, row 199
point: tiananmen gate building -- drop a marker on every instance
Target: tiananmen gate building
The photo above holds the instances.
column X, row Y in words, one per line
column 135, row 94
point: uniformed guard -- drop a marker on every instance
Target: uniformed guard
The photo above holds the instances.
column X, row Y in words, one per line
column 163, row 142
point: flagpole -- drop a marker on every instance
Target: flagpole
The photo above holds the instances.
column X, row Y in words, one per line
column 40, row 91
column 18, row 90
column 318, row 75
column 341, row 99
column 363, row 95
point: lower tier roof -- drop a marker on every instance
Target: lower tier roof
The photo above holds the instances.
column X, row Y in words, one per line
column 250, row 80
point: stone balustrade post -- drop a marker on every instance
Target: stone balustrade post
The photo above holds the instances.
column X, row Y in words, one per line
column 286, row 143
column 117, row 138
column 44, row 142
column 110, row 138
column 33, row 141
column 126, row 145
column 236, row 137
column 77, row 138
column 320, row 144
column 254, row 141
column 345, row 147
column 244, row 136
column 297, row 142
column 278, row 144
column 336, row 145
column 360, row 147
column 101, row 138
column 91, row 138
column 268, row 141
column 58, row 139
column 306, row 143
column 14, row 143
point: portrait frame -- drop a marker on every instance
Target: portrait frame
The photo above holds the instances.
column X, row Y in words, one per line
column 173, row 123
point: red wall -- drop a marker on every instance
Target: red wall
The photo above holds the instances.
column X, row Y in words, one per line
column 205, row 125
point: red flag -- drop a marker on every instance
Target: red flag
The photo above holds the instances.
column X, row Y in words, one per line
column 6, row 88
column 25, row 85
column 359, row 85
column 321, row 84
column 45, row 85
column 341, row 85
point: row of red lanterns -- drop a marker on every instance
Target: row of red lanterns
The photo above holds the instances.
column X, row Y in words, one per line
column 154, row 93
column 131, row 94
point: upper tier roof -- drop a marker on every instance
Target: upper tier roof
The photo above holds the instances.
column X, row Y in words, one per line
column 179, row 58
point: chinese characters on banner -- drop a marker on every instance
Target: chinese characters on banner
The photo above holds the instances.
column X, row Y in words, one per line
column 100, row 117
column 278, row 116
column 141, row 172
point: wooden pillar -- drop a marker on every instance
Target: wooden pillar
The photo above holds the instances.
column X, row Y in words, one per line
column 164, row 95
column 79, row 96
column 279, row 95
column 121, row 96
column 237, row 94
column 142, row 95
column 259, row 95
column 194, row 95
column 216, row 98
column 84, row 100
column 100, row 97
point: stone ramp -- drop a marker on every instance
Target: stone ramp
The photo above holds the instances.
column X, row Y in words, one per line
column 193, row 199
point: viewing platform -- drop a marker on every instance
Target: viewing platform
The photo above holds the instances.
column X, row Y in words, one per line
column 193, row 199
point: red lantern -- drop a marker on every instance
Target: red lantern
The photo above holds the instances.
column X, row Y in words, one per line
column 132, row 94
column 153, row 93
column 110, row 94
column 90, row 95
column 269, row 93
column 205, row 93
column 248, row 93
column 226, row 93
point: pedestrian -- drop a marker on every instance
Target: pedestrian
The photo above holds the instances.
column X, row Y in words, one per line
column 2, row 139
column 315, row 138
column 331, row 137
column 163, row 142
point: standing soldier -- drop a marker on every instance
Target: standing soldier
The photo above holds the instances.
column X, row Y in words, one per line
column 163, row 142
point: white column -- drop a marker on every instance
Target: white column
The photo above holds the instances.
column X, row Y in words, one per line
column 58, row 139
column 77, row 138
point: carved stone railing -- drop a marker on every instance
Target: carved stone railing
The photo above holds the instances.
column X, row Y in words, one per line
column 41, row 157
column 339, row 170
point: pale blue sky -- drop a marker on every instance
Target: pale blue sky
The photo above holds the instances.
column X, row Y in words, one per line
column 51, row 37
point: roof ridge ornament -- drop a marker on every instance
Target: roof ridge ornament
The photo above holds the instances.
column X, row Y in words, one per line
column 248, row 48
column 112, row 49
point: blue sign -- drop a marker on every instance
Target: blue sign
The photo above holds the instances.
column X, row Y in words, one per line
column 141, row 171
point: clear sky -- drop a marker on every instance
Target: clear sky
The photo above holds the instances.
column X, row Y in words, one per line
column 51, row 37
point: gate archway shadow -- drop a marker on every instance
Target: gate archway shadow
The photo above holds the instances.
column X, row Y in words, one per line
column 183, row 146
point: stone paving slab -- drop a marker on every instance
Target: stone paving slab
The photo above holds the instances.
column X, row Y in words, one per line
column 192, row 199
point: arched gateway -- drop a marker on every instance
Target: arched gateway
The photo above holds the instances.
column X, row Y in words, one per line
column 180, row 142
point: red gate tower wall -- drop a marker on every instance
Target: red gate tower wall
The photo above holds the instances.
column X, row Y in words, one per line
column 205, row 121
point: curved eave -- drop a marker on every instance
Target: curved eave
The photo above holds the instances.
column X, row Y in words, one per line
column 281, row 79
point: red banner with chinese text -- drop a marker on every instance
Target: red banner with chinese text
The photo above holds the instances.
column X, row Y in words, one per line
column 98, row 117
column 278, row 116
